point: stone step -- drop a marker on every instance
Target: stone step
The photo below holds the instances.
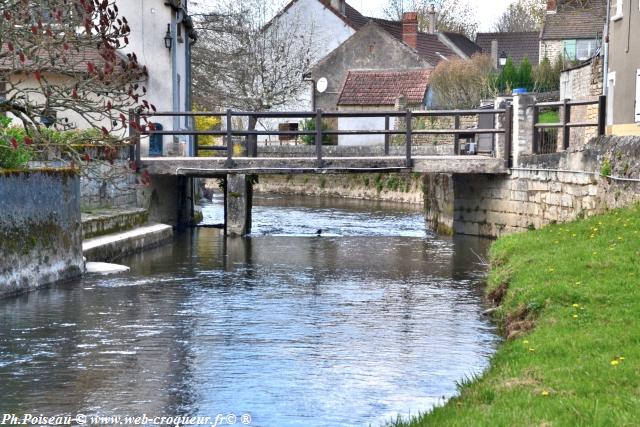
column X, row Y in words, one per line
column 113, row 246
column 100, row 222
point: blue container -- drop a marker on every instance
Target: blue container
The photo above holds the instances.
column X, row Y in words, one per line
column 519, row 91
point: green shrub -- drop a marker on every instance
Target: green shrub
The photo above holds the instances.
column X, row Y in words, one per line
column 309, row 125
column 15, row 153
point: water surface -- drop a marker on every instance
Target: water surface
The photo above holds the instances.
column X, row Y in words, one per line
column 374, row 318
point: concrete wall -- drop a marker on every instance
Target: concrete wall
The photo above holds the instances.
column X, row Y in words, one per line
column 624, row 63
column 40, row 229
column 371, row 48
column 541, row 189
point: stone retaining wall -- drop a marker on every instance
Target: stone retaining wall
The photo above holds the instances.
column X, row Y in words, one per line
column 542, row 189
column 40, row 229
column 403, row 188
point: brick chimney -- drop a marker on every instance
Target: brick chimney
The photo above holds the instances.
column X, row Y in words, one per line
column 552, row 6
column 410, row 29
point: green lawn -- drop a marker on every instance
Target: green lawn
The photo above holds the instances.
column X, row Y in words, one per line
column 578, row 286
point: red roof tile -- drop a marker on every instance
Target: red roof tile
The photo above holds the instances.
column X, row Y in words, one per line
column 384, row 87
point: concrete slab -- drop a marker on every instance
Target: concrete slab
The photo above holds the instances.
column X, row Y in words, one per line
column 100, row 222
column 106, row 268
column 216, row 166
column 110, row 247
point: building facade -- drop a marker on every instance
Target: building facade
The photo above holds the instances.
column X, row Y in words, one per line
column 623, row 74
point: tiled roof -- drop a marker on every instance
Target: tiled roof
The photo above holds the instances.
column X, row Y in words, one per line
column 384, row 87
column 463, row 43
column 515, row 45
column 429, row 46
column 575, row 23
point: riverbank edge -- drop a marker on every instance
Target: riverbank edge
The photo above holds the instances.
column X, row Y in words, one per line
column 562, row 300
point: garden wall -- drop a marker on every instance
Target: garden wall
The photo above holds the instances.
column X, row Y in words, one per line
column 40, row 229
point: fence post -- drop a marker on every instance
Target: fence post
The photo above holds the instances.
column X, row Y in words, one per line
column 602, row 115
column 508, row 134
column 229, row 162
column 409, row 136
column 387, row 137
column 319, row 138
column 566, row 130
column 536, row 136
column 456, row 136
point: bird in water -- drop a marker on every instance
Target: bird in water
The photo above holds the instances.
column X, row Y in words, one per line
column 319, row 232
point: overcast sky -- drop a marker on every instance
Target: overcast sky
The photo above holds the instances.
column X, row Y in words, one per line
column 488, row 10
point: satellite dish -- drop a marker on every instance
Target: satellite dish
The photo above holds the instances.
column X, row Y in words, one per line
column 322, row 84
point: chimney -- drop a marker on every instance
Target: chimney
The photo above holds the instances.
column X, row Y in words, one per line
column 340, row 6
column 552, row 6
column 494, row 53
column 432, row 17
column 410, row 29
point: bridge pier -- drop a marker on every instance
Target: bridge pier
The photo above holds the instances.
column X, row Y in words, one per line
column 238, row 203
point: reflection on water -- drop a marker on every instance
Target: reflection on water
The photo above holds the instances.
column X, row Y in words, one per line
column 374, row 318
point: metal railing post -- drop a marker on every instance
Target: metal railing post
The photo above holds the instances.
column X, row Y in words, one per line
column 409, row 136
column 602, row 115
column 456, row 136
column 319, row 138
column 387, row 137
column 229, row 162
column 536, row 137
column 566, row 130
column 508, row 135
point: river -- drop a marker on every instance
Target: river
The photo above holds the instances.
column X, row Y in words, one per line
column 372, row 319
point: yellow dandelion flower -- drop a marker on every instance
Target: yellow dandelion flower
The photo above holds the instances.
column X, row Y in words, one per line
column 544, row 393
column 575, row 305
column 615, row 362
column 575, row 316
column 525, row 342
column 621, row 358
column 531, row 349
column 578, row 283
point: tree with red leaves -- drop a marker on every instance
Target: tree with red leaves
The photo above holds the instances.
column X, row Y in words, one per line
column 62, row 66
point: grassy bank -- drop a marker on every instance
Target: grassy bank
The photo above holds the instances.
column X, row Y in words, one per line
column 570, row 302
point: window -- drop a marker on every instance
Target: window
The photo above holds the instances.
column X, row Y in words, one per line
column 611, row 85
column 637, row 96
column 585, row 49
column 570, row 49
column 617, row 9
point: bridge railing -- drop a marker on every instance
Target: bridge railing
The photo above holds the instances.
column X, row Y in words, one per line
column 552, row 137
column 142, row 125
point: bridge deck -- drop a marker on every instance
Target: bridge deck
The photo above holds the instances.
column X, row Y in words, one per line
column 215, row 166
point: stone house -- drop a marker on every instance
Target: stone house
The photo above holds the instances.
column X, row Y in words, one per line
column 572, row 29
column 516, row 45
column 623, row 74
column 379, row 91
column 386, row 45
column 335, row 22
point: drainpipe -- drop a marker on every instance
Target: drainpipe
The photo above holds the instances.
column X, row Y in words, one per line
column 188, row 89
column 174, row 69
column 605, row 62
